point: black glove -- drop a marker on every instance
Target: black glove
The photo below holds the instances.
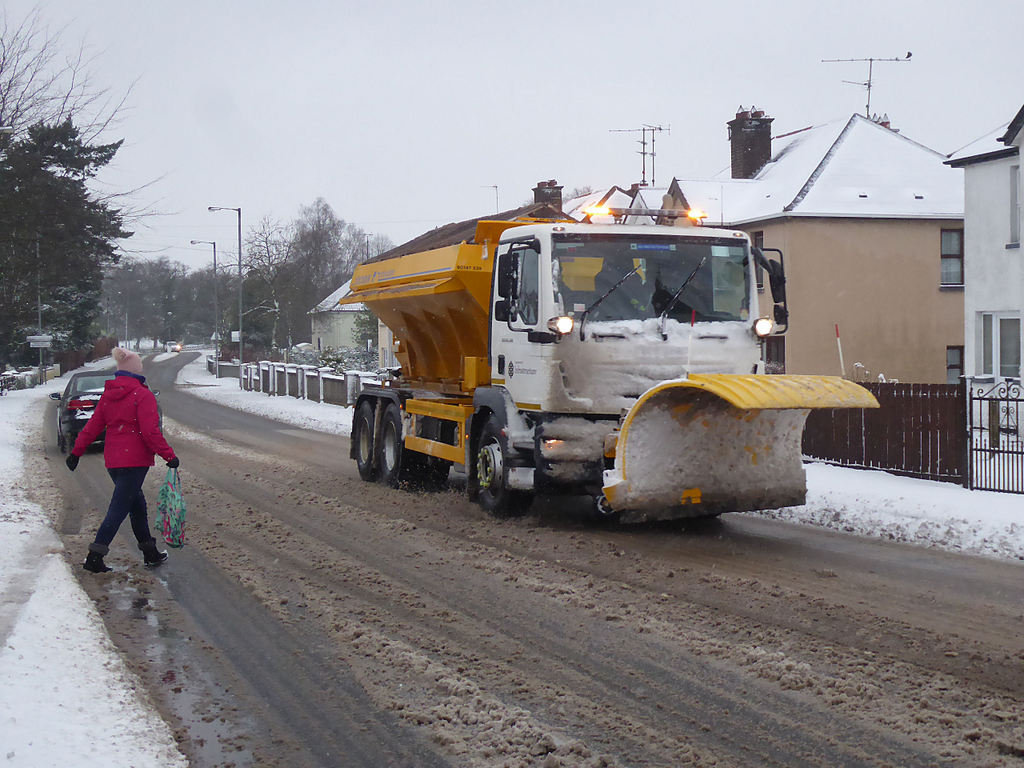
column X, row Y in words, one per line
column 71, row 461
column 173, row 463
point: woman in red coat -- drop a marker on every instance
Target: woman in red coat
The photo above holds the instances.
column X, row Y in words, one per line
column 128, row 411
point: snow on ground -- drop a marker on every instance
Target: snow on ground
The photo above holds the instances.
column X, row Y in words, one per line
column 196, row 380
column 67, row 697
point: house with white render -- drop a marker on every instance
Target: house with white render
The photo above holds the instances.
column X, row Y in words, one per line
column 993, row 258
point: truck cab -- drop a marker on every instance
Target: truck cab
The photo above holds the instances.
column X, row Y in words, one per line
column 586, row 318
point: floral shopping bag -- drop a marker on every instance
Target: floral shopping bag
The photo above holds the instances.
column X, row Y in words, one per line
column 170, row 521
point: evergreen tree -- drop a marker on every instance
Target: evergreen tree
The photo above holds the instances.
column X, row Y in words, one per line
column 56, row 236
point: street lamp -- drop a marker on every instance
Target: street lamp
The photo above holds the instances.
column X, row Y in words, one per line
column 216, row 312
column 241, row 357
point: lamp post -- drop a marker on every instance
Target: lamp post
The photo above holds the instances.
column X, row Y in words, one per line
column 241, row 356
column 216, row 311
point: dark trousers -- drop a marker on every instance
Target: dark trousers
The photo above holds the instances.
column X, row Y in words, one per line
column 126, row 501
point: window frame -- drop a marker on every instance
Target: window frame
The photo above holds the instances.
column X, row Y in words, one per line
column 959, row 367
column 992, row 327
column 958, row 257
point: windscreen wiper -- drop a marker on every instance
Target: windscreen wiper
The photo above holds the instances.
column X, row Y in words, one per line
column 592, row 307
column 676, row 295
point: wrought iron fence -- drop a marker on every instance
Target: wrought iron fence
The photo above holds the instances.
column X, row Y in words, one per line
column 996, row 436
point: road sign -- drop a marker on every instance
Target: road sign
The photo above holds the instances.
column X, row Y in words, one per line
column 43, row 341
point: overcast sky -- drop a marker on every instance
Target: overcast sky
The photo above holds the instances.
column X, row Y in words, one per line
column 404, row 116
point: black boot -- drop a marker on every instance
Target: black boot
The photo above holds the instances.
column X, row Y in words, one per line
column 94, row 563
column 151, row 555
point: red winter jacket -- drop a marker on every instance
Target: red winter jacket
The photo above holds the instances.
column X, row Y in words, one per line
column 127, row 409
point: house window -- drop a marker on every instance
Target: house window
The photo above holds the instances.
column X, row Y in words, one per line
column 1000, row 352
column 952, row 257
column 1009, row 347
column 986, row 344
column 954, row 364
column 775, row 354
column 1014, row 204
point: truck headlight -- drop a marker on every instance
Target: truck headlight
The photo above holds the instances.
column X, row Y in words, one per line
column 561, row 325
column 763, row 327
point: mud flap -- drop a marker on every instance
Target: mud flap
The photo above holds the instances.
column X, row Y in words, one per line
column 719, row 443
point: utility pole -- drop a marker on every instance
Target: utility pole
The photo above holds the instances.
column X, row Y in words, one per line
column 39, row 308
column 867, row 84
column 644, row 154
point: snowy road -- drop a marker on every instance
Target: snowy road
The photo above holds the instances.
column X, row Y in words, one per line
column 317, row 620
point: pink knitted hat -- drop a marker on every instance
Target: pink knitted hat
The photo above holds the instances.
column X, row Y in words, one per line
column 127, row 360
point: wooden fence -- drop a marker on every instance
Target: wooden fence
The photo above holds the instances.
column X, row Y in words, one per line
column 920, row 430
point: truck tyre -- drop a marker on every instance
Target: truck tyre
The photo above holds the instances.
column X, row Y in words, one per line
column 492, row 465
column 362, row 441
column 396, row 463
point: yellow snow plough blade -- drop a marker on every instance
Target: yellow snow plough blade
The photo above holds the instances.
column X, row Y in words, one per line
column 715, row 443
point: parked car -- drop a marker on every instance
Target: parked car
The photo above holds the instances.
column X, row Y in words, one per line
column 77, row 403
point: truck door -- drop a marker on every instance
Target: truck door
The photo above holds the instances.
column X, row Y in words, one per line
column 517, row 360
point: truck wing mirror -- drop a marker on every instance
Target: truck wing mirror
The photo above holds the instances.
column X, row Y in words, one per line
column 776, row 272
column 777, row 281
column 507, row 265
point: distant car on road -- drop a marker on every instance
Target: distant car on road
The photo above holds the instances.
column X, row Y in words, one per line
column 77, row 404
column 174, row 346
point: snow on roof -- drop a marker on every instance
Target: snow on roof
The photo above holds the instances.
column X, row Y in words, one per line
column 985, row 145
column 613, row 197
column 330, row 304
column 854, row 168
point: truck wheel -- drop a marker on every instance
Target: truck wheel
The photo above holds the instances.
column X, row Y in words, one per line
column 492, row 464
column 394, row 460
column 362, row 441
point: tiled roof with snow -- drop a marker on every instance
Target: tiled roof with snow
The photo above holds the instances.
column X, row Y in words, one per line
column 851, row 168
column 330, row 304
column 613, row 197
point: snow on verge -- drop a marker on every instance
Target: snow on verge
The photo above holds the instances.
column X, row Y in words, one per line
column 67, row 697
column 194, row 379
column 923, row 512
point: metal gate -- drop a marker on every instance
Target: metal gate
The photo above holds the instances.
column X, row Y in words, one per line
column 996, row 437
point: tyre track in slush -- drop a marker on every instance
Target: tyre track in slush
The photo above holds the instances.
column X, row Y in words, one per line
column 712, row 571
column 682, row 694
column 886, row 619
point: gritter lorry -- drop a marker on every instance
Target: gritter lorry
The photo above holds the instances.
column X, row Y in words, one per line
column 621, row 361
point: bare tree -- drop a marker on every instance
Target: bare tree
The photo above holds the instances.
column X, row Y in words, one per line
column 269, row 257
column 39, row 83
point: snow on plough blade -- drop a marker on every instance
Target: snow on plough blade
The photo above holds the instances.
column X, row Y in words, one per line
column 719, row 443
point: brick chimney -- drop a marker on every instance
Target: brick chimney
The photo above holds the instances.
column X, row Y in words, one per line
column 548, row 192
column 750, row 137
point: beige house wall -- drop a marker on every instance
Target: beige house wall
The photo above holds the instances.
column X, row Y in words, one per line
column 879, row 280
column 333, row 329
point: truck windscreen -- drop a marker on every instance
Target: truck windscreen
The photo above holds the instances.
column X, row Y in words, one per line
column 586, row 266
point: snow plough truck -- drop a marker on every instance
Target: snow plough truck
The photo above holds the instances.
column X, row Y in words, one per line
column 622, row 361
